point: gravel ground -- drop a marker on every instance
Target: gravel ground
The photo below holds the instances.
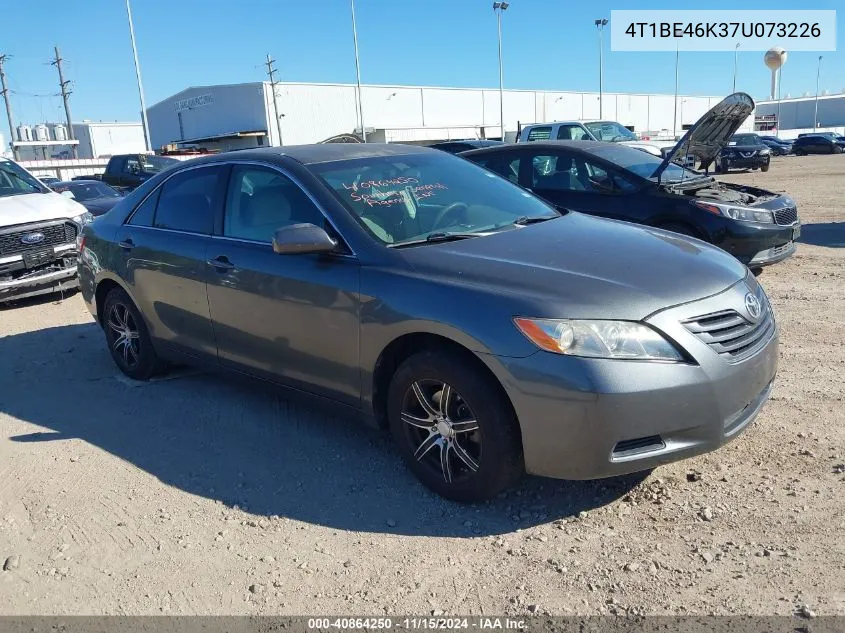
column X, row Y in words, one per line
column 194, row 495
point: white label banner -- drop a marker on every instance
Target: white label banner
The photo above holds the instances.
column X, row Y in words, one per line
column 709, row 30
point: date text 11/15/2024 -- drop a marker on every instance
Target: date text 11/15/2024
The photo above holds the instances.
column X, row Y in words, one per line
column 417, row 623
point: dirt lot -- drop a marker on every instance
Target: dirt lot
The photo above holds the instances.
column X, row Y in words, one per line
column 192, row 495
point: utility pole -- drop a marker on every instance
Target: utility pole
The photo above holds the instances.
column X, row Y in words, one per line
column 271, row 73
column 144, row 122
column 816, row 109
column 600, row 24
column 675, row 116
column 5, row 91
column 63, row 85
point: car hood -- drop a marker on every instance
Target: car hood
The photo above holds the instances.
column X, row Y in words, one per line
column 578, row 266
column 98, row 206
column 37, row 207
column 651, row 148
column 712, row 132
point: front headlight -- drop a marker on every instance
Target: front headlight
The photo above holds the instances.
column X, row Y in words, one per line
column 83, row 218
column 598, row 339
column 763, row 152
column 735, row 212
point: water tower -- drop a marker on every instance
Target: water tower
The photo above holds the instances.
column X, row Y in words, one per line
column 774, row 59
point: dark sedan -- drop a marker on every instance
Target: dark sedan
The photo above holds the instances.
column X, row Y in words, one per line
column 489, row 332
column 455, row 147
column 778, row 149
column 817, row 144
column 94, row 195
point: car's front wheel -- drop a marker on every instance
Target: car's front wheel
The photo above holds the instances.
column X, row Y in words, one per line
column 127, row 337
column 837, row 149
column 765, row 167
column 454, row 427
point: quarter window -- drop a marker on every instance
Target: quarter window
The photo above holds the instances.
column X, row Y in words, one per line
column 145, row 212
column 185, row 202
column 261, row 200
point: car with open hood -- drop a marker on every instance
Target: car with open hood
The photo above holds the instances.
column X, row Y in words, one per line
column 38, row 235
column 489, row 332
column 757, row 226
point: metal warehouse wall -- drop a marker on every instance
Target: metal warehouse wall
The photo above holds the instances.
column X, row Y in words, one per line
column 313, row 112
column 208, row 111
column 110, row 139
column 798, row 113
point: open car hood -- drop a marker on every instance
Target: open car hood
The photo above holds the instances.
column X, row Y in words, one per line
column 706, row 138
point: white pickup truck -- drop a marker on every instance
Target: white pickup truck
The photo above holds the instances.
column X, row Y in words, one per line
column 38, row 235
column 610, row 131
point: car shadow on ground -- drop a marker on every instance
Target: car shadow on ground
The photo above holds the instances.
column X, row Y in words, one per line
column 247, row 446
column 830, row 234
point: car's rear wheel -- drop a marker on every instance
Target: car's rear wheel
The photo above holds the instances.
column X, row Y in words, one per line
column 454, row 427
column 799, row 152
column 837, row 149
column 127, row 337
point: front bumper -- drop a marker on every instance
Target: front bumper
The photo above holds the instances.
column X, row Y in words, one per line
column 755, row 244
column 753, row 162
column 58, row 274
column 591, row 418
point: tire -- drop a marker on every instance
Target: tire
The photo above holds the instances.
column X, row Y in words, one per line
column 683, row 229
column 717, row 166
column 837, row 149
column 134, row 355
column 765, row 167
column 799, row 152
column 479, row 434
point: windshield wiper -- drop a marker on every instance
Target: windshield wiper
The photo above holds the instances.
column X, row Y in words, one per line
column 527, row 219
column 439, row 236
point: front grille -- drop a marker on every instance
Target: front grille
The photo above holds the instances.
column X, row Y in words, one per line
column 731, row 335
column 54, row 234
column 786, row 216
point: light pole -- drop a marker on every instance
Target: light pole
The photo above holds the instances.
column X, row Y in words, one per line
column 358, row 104
column 736, row 50
column 138, row 76
column 600, row 24
column 816, row 110
column 498, row 8
column 675, row 117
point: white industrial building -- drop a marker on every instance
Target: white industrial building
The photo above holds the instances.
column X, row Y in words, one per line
column 244, row 115
column 797, row 114
column 93, row 139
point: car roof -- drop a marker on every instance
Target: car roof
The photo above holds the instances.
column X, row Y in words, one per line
column 81, row 182
column 477, row 142
column 578, row 146
column 320, row 152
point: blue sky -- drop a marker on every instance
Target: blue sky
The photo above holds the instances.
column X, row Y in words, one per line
column 548, row 44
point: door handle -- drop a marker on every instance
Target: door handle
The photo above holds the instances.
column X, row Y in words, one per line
column 126, row 244
column 222, row 263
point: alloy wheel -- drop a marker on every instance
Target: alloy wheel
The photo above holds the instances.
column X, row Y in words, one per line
column 125, row 337
column 442, row 429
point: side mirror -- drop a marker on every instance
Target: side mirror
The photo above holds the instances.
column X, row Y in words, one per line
column 301, row 239
column 67, row 193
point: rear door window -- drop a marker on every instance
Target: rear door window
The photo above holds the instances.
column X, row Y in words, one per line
column 540, row 133
column 572, row 133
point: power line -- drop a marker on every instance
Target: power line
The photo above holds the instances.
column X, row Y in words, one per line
column 63, row 85
column 271, row 73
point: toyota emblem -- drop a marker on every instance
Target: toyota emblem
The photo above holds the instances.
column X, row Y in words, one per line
column 752, row 305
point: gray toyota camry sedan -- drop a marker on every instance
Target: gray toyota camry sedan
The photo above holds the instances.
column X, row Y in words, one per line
column 421, row 290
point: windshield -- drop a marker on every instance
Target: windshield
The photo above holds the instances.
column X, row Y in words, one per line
column 744, row 139
column 610, row 131
column 83, row 191
column 407, row 198
column 14, row 181
column 643, row 164
column 155, row 164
